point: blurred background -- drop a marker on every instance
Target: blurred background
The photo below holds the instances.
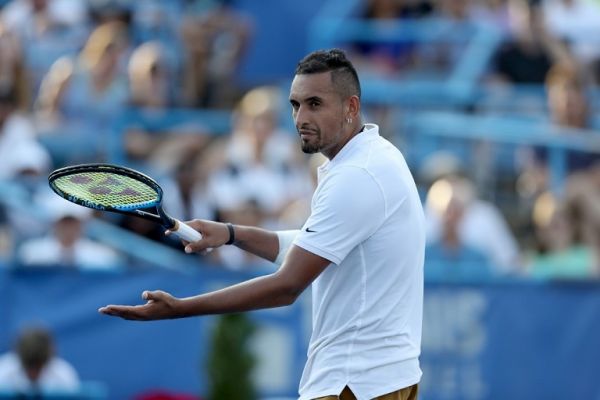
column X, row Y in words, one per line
column 494, row 103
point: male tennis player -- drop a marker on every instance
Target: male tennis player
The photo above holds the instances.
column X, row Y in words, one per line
column 362, row 249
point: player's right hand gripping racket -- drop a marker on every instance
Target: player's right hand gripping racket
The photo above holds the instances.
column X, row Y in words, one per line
column 118, row 189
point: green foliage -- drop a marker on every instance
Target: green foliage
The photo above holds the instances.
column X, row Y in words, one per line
column 230, row 363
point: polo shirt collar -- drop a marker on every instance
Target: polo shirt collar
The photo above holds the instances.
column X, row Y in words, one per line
column 369, row 132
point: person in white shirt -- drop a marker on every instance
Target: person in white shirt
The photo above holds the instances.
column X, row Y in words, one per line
column 362, row 249
column 577, row 23
column 66, row 244
column 34, row 366
column 20, row 151
column 498, row 245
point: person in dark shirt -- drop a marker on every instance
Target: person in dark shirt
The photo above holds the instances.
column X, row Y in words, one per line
column 528, row 55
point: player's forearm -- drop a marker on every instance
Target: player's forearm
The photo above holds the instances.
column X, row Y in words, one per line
column 257, row 241
column 263, row 292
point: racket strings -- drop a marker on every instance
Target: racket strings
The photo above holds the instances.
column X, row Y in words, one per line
column 108, row 190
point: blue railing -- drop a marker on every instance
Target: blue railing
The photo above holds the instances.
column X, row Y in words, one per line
column 88, row 390
column 337, row 25
column 427, row 128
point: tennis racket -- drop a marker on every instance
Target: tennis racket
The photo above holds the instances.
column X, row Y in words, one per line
column 118, row 189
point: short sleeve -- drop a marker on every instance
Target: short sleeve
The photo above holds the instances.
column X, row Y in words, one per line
column 347, row 208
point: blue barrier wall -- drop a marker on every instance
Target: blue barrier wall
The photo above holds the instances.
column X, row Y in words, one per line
column 480, row 341
column 132, row 358
column 511, row 341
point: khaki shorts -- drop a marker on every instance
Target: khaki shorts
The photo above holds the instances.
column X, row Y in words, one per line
column 408, row 393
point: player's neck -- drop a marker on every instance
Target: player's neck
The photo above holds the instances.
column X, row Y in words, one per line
column 352, row 130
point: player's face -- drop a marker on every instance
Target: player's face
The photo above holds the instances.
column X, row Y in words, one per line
column 319, row 113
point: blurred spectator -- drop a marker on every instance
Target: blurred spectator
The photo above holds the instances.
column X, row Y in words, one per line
column 570, row 109
column 577, row 23
column 34, row 368
column 159, row 21
column 91, row 90
column 23, row 160
column 66, row 244
column 568, row 100
column 457, row 219
column 448, row 254
column 257, row 172
column 47, row 30
column 13, row 73
column 150, row 81
column 20, row 152
column 570, row 113
column 259, row 151
column 151, row 89
column 387, row 57
column 561, row 253
column 215, row 42
column 530, row 51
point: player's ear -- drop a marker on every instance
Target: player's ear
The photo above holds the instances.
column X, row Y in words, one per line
column 353, row 107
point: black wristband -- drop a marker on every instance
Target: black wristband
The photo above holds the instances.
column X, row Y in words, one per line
column 231, row 233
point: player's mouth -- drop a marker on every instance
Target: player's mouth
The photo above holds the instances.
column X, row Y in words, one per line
column 304, row 133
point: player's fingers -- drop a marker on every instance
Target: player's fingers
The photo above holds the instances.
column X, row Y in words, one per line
column 125, row 312
column 104, row 310
column 111, row 310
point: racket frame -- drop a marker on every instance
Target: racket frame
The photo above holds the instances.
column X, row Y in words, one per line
column 135, row 209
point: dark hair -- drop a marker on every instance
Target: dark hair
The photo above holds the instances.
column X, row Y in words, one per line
column 35, row 347
column 343, row 74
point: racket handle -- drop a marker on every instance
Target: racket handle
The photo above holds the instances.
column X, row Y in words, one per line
column 186, row 232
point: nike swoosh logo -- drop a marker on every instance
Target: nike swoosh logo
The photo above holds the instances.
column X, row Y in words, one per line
column 309, row 230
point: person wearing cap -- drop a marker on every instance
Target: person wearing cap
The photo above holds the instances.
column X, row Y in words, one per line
column 66, row 244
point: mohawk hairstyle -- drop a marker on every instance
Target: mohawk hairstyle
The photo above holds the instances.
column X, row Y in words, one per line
column 343, row 74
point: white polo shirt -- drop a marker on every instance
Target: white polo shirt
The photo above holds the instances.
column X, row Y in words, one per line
column 57, row 375
column 367, row 219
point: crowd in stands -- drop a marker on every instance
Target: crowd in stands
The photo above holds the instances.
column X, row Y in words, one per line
column 68, row 69
column 551, row 44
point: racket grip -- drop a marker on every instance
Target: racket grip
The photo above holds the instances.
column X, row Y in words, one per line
column 186, row 232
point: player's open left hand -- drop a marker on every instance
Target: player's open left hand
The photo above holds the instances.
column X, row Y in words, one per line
column 159, row 305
